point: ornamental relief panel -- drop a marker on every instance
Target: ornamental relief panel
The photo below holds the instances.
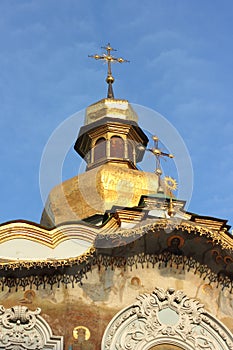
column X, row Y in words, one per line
column 166, row 320
column 22, row 329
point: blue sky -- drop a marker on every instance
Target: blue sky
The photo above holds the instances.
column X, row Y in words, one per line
column 181, row 63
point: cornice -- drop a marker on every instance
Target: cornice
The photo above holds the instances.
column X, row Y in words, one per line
column 220, row 237
column 50, row 238
column 215, row 268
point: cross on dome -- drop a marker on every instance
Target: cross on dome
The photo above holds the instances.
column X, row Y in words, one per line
column 107, row 57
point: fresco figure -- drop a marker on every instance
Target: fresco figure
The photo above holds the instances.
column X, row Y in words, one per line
column 81, row 341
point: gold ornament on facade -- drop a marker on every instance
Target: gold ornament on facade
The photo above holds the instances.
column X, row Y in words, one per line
column 170, row 183
column 171, row 210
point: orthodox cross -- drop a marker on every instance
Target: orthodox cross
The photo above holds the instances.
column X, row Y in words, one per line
column 107, row 57
column 158, row 155
column 169, row 182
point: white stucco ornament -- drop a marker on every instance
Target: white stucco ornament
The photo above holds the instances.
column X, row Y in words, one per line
column 21, row 328
column 166, row 317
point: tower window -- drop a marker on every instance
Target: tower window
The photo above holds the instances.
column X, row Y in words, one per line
column 130, row 150
column 100, row 149
column 116, row 147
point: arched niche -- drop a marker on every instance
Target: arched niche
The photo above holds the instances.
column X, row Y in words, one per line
column 23, row 329
column 166, row 320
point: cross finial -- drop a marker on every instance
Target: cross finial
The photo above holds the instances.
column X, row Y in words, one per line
column 158, row 155
column 107, row 57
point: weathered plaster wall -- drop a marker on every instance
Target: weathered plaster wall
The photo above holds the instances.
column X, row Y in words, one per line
column 105, row 292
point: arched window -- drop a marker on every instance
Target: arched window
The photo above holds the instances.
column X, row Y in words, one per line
column 116, row 147
column 100, row 149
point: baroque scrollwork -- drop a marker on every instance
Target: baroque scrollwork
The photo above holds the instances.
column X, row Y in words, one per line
column 189, row 311
column 21, row 328
column 186, row 324
column 17, row 331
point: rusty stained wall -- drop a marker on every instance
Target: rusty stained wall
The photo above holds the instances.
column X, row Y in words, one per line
column 105, row 292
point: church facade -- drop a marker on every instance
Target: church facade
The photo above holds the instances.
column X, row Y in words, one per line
column 116, row 261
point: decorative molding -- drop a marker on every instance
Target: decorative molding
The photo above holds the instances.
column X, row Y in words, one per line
column 70, row 272
column 48, row 237
column 219, row 237
column 53, row 237
column 21, row 328
column 185, row 324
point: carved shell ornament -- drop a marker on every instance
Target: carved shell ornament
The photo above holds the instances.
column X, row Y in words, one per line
column 21, row 328
column 166, row 317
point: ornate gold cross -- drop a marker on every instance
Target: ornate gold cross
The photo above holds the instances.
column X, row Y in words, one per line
column 158, row 155
column 107, row 57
